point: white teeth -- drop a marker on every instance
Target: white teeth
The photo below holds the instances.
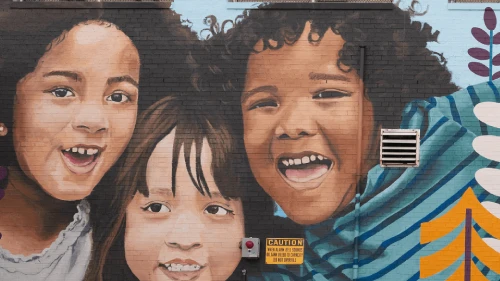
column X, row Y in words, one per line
column 181, row 267
column 305, row 160
column 83, row 151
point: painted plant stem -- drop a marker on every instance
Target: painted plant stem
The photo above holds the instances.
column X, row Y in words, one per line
column 491, row 56
column 468, row 244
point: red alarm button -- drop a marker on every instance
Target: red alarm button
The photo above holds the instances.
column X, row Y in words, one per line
column 249, row 244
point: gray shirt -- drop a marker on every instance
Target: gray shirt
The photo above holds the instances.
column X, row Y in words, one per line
column 65, row 260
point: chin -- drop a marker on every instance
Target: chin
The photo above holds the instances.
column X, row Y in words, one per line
column 308, row 219
column 70, row 191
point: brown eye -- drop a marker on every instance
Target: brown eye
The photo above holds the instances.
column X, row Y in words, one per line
column 118, row 98
column 217, row 210
column 157, row 208
column 62, row 93
column 330, row 95
column 268, row 103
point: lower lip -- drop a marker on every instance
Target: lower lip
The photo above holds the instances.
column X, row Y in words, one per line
column 79, row 168
column 182, row 275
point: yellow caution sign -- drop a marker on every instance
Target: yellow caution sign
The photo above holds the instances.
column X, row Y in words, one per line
column 284, row 250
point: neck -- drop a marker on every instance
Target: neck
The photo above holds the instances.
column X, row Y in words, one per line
column 30, row 215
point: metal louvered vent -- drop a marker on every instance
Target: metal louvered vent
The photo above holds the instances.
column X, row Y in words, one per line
column 399, row 147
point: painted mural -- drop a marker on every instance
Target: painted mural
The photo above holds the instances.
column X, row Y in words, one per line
column 137, row 144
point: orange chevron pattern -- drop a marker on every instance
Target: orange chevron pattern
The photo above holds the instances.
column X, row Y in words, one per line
column 442, row 259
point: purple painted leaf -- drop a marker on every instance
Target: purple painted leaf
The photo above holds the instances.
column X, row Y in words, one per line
column 479, row 69
column 496, row 38
column 481, row 35
column 496, row 76
column 490, row 19
column 478, row 53
column 496, row 60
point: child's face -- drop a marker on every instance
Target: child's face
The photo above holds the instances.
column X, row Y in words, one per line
column 183, row 237
column 75, row 113
column 300, row 115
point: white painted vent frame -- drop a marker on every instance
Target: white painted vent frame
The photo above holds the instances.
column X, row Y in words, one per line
column 399, row 147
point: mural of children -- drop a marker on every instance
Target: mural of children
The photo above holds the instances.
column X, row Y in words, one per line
column 69, row 107
column 182, row 200
column 297, row 97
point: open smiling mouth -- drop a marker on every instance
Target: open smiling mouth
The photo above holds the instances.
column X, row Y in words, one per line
column 305, row 168
column 81, row 159
column 182, row 269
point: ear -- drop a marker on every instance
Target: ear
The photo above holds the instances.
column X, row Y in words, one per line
column 3, row 130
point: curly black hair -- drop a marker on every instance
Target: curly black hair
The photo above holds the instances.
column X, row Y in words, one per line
column 398, row 66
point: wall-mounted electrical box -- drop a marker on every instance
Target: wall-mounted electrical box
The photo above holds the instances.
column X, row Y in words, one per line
column 250, row 248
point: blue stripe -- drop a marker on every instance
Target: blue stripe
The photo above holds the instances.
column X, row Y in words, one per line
column 454, row 110
column 495, row 91
column 339, row 229
column 409, row 116
column 475, row 100
column 432, row 103
column 434, row 129
column 430, row 216
column 415, row 277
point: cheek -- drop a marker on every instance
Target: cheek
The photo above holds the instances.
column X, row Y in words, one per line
column 141, row 241
column 225, row 253
column 122, row 124
column 258, row 132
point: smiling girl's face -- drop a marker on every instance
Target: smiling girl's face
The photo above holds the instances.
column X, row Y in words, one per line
column 75, row 113
column 186, row 236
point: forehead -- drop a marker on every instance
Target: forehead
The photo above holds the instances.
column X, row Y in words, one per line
column 92, row 46
column 159, row 167
column 297, row 59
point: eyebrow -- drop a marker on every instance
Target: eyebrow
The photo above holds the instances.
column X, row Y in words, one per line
column 124, row 78
column 161, row 191
column 68, row 74
column 325, row 76
column 267, row 88
column 168, row 192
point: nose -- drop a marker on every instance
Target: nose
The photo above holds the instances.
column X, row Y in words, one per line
column 296, row 122
column 186, row 233
column 91, row 119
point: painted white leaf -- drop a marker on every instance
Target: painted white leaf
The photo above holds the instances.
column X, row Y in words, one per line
column 493, row 208
column 493, row 243
column 488, row 147
column 489, row 179
column 489, row 113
